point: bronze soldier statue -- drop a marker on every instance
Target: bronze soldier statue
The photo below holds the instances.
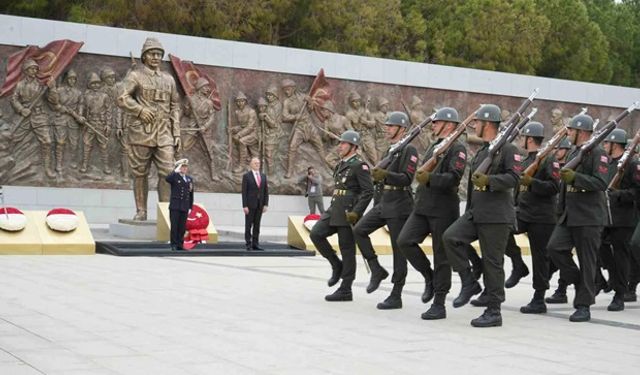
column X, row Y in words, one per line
column 65, row 102
column 335, row 124
column 112, row 88
column 272, row 118
column 296, row 113
column 150, row 96
column 361, row 121
column 96, row 110
column 27, row 101
column 382, row 144
column 245, row 132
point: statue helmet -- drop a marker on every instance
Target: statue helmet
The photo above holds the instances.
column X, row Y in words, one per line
column 70, row 73
column 354, row 96
column 29, row 63
column 447, row 114
column 533, row 129
column 107, row 72
column 489, row 112
column 350, row 136
column 415, row 101
column 273, row 90
column 288, row 83
column 382, row 101
column 262, row 102
column 617, row 136
column 151, row 43
column 328, row 105
column 241, row 96
column 581, row 122
column 397, row 118
column 93, row 77
column 201, row 82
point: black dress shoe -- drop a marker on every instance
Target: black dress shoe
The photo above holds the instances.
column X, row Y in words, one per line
column 517, row 273
column 336, row 271
column 257, row 248
column 435, row 312
column 489, row 318
column 466, row 292
column 557, row 297
column 481, row 301
column 392, row 302
column 428, row 293
column 534, row 307
column 582, row 314
column 339, row 295
column 630, row 297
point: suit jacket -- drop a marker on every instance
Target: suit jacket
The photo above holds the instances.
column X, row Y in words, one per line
column 181, row 192
column 252, row 195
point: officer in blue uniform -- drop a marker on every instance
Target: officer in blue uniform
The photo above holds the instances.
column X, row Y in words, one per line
column 180, row 203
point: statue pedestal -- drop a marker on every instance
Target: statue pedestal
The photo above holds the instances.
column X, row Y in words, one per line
column 134, row 230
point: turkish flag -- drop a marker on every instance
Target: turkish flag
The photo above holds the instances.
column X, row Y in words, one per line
column 188, row 75
column 52, row 60
column 319, row 93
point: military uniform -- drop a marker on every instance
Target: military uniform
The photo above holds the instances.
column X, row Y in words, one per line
column 245, row 132
column 360, row 121
column 436, row 207
column 202, row 117
column 113, row 88
column 582, row 203
column 64, row 100
column 96, row 109
column 181, row 201
column 272, row 128
column 352, row 193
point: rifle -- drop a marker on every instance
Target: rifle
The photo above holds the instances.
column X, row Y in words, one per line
column 548, row 148
column 502, row 137
column 442, row 147
column 521, row 125
column 402, row 143
column 624, row 161
column 83, row 121
column 598, row 137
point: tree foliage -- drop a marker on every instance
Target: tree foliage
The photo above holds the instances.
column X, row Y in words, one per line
column 589, row 40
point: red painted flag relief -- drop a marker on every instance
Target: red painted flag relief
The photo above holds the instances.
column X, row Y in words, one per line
column 320, row 92
column 188, row 74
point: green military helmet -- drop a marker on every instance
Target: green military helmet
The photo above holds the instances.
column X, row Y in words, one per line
column 489, row 112
column 581, row 122
column 617, row 136
column 565, row 144
column 151, row 43
column 447, row 114
column 398, row 119
column 350, row 136
column 533, row 129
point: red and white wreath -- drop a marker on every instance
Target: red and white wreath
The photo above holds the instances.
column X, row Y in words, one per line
column 12, row 219
column 62, row 220
column 310, row 221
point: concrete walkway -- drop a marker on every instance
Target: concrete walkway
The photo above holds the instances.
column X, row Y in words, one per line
column 107, row 315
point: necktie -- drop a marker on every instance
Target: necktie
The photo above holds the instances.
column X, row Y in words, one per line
column 258, row 179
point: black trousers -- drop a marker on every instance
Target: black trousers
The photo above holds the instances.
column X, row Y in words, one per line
column 369, row 223
column 634, row 248
column 414, row 231
column 615, row 246
column 539, row 234
column 493, row 242
column 586, row 240
column 178, row 221
column 319, row 234
column 252, row 226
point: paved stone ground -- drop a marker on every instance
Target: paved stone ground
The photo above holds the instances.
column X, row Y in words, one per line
column 107, row 315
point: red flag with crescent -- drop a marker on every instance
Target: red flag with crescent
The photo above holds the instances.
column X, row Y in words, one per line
column 52, row 60
column 320, row 92
column 188, row 75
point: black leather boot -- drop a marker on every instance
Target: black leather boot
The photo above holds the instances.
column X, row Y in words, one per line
column 427, row 295
column 435, row 312
column 491, row 317
column 394, row 301
column 470, row 287
column 342, row 294
column 519, row 271
column 617, row 304
column 378, row 273
column 630, row 296
column 537, row 305
column 560, row 294
column 336, row 271
column 481, row 301
column 582, row 314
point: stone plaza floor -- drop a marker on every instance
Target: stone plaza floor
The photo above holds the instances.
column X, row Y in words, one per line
column 152, row 316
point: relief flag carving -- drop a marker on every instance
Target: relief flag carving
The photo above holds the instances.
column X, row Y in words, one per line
column 188, row 75
column 320, row 92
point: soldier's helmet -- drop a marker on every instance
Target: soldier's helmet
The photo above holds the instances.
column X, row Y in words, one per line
column 262, row 102
column 107, row 72
column 581, row 122
column 415, row 101
column 397, row 118
column 354, row 96
column 489, row 112
column 151, row 43
column 29, row 63
column 533, row 129
column 201, row 82
column 93, row 78
column 617, row 136
column 273, row 90
column 447, row 114
column 241, row 96
column 382, row 101
column 288, row 83
column 328, row 105
column 70, row 73
column 350, row 136
column 564, row 144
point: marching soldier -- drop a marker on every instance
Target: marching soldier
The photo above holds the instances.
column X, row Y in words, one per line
column 437, row 206
column 624, row 217
column 535, row 211
column 582, row 203
column 395, row 205
column 96, row 109
column 361, row 121
column 352, row 194
column 66, row 100
column 151, row 99
column 27, row 102
column 489, row 217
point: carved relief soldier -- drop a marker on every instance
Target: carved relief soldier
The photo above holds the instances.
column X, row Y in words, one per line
column 27, row 101
column 417, row 115
column 65, row 102
column 151, row 99
column 296, row 113
column 382, row 144
column 336, row 124
column 96, row 109
column 7, row 162
column 112, row 88
column 245, row 132
column 272, row 118
column 361, row 121
column 557, row 121
column 200, row 116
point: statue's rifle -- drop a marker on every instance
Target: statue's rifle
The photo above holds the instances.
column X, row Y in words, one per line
column 624, row 161
column 83, row 121
column 444, row 145
column 511, row 124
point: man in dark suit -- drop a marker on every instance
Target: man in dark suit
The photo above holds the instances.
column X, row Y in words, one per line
column 255, row 199
column 180, row 203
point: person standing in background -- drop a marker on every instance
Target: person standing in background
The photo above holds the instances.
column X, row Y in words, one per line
column 314, row 190
column 180, row 203
column 255, row 199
